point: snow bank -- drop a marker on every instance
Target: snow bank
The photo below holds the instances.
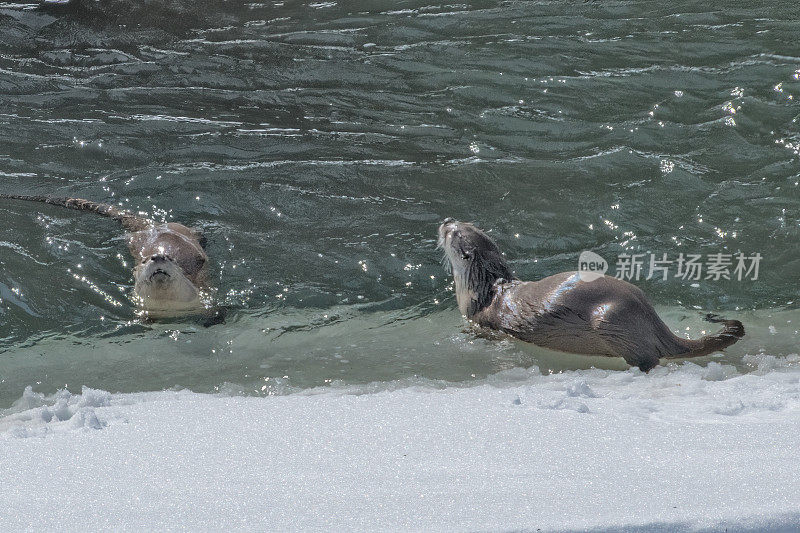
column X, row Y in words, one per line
column 685, row 447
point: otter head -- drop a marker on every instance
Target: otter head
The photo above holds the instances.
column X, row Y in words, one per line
column 476, row 263
column 162, row 283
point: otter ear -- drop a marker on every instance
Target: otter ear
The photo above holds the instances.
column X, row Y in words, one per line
column 201, row 236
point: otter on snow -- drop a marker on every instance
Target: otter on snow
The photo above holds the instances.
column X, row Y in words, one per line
column 606, row 316
column 170, row 261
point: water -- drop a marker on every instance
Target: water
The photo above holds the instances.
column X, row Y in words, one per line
column 319, row 144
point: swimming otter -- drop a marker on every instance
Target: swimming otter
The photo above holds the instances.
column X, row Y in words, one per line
column 607, row 316
column 170, row 273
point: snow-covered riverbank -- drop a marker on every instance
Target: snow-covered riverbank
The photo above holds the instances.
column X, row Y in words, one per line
column 685, row 447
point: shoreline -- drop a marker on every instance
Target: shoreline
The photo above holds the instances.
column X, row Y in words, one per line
column 685, row 447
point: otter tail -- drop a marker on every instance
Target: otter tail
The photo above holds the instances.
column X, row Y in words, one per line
column 732, row 331
column 129, row 221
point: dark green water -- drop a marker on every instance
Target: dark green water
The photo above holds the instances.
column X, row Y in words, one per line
column 318, row 145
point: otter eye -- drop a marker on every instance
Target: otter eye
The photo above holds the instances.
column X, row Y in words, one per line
column 465, row 255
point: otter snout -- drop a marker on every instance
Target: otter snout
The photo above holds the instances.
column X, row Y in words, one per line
column 447, row 226
column 161, row 282
column 159, row 268
column 159, row 275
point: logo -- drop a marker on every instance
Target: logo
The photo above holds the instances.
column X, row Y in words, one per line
column 690, row 267
column 591, row 266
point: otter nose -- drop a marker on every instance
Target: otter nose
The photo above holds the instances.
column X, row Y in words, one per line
column 158, row 258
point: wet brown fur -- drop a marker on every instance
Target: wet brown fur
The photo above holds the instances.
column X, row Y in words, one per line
column 607, row 316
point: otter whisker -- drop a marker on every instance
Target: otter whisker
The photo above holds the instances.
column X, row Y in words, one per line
column 447, row 264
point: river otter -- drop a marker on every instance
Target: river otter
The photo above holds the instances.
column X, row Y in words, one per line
column 170, row 271
column 607, row 316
